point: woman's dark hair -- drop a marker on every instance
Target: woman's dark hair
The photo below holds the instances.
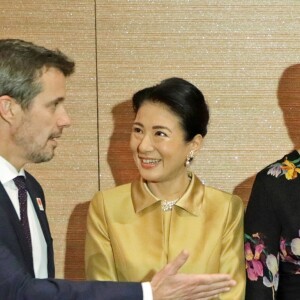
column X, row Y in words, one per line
column 182, row 98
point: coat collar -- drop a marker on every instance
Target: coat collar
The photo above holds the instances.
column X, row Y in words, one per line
column 8, row 171
column 191, row 200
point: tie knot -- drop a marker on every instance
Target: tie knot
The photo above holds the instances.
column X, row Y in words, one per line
column 20, row 182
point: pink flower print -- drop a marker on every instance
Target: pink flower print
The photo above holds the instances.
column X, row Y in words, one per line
column 248, row 252
column 254, row 270
column 258, row 250
column 290, row 252
column 283, row 247
column 254, row 266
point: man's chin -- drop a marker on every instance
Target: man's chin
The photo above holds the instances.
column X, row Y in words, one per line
column 42, row 157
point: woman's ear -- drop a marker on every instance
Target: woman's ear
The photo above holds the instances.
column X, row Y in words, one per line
column 196, row 143
column 8, row 108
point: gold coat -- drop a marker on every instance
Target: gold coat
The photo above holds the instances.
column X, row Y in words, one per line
column 130, row 238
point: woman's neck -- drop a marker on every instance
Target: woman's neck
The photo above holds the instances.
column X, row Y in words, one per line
column 170, row 190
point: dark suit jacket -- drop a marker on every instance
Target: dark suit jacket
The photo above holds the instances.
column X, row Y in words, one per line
column 11, row 233
column 17, row 280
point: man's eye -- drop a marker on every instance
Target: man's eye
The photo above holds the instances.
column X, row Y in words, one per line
column 136, row 129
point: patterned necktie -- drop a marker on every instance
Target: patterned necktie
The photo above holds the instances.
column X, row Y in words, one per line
column 22, row 194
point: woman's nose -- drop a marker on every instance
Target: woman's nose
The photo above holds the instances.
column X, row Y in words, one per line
column 146, row 144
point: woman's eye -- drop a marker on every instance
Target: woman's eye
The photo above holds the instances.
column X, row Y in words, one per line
column 160, row 133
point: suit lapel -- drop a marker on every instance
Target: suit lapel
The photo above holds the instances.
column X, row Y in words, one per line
column 7, row 206
column 36, row 193
column 41, row 214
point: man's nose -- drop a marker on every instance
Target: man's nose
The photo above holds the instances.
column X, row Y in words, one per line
column 64, row 119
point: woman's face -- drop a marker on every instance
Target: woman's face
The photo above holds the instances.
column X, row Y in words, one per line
column 157, row 143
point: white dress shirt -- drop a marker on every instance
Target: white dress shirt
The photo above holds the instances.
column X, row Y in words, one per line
column 147, row 291
column 39, row 247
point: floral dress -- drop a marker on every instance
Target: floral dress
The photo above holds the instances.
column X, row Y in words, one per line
column 272, row 232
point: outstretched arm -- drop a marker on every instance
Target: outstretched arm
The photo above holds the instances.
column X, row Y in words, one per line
column 17, row 284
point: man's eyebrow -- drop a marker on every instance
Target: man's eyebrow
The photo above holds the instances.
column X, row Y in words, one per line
column 138, row 123
column 59, row 99
column 56, row 100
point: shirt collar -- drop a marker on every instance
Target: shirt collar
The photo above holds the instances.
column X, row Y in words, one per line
column 191, row 201
column 8, row 171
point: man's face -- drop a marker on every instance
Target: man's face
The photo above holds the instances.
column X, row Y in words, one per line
column 38, row 128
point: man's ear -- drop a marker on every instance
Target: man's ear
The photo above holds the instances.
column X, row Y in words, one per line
column 8, row 108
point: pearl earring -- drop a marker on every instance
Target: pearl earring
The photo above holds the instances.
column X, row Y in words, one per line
column 189, row 158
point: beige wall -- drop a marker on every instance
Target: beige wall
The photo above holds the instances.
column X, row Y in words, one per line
column 239, row 55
